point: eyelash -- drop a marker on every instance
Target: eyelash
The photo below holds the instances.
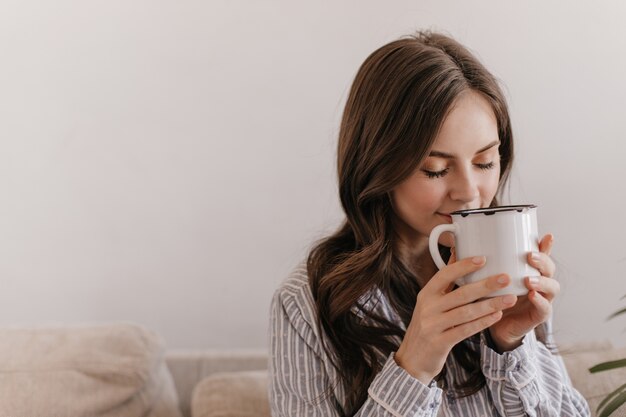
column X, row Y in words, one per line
column 438, row 174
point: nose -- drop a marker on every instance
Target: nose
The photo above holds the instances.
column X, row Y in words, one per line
column 465, row 187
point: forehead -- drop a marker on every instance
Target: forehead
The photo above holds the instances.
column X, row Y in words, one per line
column 470, row 125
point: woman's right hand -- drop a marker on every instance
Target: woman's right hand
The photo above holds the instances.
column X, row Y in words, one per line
column 444, row 316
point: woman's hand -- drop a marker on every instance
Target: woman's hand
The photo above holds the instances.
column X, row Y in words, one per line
column 443, row 317
column 532, row 309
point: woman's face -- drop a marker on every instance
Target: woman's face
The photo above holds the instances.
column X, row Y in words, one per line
column 461, row 172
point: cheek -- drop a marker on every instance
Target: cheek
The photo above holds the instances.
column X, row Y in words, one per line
column 415, row 198
column 491, row 186
column 430, row 198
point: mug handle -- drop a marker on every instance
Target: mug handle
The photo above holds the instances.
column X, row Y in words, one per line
column 433, row 241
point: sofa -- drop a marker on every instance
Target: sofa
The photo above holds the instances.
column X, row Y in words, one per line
column 123, row 369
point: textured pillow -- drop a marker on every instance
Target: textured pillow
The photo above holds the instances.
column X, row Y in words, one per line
column 233, row 394
column 595, row 387
column 105, row 370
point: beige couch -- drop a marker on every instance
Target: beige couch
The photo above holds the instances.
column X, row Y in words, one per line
column 124, row 370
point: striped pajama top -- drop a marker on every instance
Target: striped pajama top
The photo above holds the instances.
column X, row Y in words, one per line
column 528, row 381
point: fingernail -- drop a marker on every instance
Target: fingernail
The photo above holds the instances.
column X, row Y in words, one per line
column 535, row 256
column 533, row 281
column 509, row 299
column 503, row 279
column 478, row 260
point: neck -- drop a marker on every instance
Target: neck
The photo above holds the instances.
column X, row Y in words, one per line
column 416, row 257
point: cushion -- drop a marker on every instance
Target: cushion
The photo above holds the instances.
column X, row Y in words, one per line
column 189, row 367
column 231, row 394
column 103, row 370
column 595, row 387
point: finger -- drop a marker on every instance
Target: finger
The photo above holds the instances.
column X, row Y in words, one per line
column 462, row 332
column 476, row 290
column 545, row 245
column 452, row 256
column 441, row 281
column 542, row 262
column 548, row 287
column 451, row 261
column 542, row 305
column 470, row 312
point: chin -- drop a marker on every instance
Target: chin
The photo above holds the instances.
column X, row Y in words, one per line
column 447, row 240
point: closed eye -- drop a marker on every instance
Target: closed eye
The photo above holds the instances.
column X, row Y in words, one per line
column 443, row 172
column 436, row 174
column 486, row 166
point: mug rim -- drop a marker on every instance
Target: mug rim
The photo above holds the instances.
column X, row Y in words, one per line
column 492, row 210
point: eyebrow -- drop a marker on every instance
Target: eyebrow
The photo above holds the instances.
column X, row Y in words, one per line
column 439, row 154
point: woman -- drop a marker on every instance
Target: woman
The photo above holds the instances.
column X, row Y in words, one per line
column 368, row 326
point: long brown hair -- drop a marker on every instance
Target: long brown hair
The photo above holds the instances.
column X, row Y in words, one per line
column 396, row 106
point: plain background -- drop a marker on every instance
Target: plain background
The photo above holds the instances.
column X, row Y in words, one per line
column 169, row 162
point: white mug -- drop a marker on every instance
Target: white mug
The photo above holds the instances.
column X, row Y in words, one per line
column 504, row 235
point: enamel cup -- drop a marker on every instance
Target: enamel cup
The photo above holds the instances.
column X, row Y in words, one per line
column 504, row 235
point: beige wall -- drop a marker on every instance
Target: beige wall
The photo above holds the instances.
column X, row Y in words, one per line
column 169, row 162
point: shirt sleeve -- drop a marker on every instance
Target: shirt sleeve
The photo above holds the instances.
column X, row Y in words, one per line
column 530, row 381
column 299, row 383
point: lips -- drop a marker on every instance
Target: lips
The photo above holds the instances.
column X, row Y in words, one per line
column 446, row 216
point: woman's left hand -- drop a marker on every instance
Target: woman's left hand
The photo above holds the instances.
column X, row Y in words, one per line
column 532, row 309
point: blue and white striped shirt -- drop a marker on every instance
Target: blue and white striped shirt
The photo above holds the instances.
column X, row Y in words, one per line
column 528, row 381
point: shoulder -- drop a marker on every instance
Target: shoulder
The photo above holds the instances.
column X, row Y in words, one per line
column 294, row 298
column 295, row 283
